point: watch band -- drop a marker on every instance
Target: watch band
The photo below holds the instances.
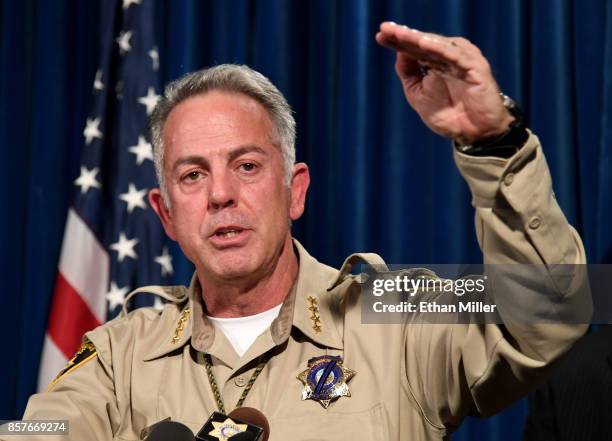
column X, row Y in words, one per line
column 508, row 143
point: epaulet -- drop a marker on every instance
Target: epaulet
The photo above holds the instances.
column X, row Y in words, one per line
column 354, row 259
column 173, row 294
column 86, row 352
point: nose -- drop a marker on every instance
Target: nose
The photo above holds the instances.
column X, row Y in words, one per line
column 221, row 192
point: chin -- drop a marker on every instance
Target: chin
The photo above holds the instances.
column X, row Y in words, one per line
column 234, row 267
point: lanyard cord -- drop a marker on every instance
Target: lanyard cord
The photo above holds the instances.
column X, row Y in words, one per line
column 215, row 387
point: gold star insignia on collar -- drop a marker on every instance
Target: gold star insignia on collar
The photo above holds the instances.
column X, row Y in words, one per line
column 314, row 314
column 181, row 325
column 325, row 380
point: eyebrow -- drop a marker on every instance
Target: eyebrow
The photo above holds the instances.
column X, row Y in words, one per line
column 243, row 150
column 231, row 156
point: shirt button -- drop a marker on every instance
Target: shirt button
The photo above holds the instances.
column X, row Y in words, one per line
column 240, row 381
column 509, row 179
column 534, row 223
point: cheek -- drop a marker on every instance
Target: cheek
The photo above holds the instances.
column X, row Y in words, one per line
column 187, row 214
column 271, row 202
column 276, row 209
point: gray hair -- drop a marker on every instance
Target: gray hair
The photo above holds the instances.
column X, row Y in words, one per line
column 229, row 78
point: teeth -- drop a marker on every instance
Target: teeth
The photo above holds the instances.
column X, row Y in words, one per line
column 228, row 234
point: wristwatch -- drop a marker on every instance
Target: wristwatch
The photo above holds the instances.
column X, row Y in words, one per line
column 508, row 143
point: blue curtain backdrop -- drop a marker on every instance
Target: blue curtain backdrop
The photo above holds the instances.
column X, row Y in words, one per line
column 381, row 181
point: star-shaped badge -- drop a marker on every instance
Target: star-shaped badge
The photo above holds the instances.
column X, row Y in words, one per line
column 325, row 380
column 226, row 429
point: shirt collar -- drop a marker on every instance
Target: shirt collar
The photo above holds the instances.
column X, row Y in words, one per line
column 310, row 307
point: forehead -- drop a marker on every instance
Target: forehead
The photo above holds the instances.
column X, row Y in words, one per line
column 217, row 120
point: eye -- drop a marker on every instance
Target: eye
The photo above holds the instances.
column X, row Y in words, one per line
column 192, row 176
column 248, row 167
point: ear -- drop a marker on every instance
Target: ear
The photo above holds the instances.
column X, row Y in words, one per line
column 299, row 186
column 159, row 206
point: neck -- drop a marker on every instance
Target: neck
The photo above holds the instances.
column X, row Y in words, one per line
column 250, row 297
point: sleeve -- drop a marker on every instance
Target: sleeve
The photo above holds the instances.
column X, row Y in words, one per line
column 518, row 219
column 478, row 369
column 83, row 394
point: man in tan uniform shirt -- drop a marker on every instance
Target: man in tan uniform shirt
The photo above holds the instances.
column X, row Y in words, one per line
column 228, row 189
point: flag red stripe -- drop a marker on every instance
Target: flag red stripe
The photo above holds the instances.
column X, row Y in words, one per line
column 70, row 317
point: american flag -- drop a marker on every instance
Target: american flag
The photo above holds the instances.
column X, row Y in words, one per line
column 113, row 241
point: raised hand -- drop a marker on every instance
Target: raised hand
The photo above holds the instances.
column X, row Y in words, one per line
column 448, row 82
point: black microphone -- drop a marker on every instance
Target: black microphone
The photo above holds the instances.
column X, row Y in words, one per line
column 242, row 424
column 243, row 436
column 170, row 431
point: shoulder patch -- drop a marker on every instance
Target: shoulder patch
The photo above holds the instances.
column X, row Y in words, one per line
column 86, row 352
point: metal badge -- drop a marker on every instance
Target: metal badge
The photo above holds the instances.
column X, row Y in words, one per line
column 220, row 427
column 325, row 380
column 224, row 430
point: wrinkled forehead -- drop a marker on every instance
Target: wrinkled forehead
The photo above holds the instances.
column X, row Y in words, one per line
column 219, row 120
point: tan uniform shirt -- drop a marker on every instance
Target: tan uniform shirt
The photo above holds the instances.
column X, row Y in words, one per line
column 413, row 382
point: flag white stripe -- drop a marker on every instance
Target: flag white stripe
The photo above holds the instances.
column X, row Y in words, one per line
column 52, row 362
column 85, row 264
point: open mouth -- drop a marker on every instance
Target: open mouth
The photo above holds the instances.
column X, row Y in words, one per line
column 227, row 233
column 229, row 236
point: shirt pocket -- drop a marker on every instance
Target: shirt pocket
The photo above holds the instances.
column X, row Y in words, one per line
column 370, row 424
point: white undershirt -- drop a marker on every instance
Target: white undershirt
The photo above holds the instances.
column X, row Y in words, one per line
column 243, row 331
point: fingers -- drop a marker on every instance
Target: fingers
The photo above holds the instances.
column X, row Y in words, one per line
column 434, row 51
column 403, row 40
column 398, row 37
column 409, row 70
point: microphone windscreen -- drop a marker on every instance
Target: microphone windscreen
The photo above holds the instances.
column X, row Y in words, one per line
column 170, row 431
column 252, row 416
